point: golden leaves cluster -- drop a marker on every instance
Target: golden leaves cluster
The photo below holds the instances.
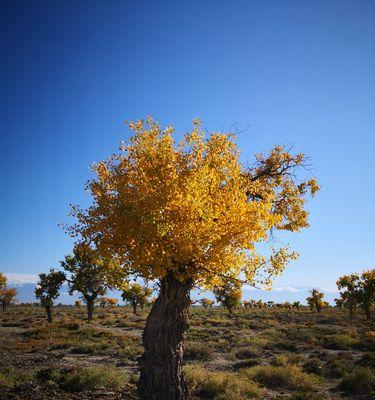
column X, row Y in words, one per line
column 192, row 208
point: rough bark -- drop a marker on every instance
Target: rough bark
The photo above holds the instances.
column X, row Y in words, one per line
column 160, row 366
column 90, row 309
column 49, row 313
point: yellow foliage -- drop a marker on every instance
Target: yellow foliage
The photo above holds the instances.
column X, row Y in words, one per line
column 192, row 208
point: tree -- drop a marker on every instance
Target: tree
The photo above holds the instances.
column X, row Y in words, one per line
column 48, row 288
column 229, row 295
column 349, row 291
column 136, row 295
column 7, row 295
column 247, row 303
column 91, row 274
column 107, row 302
column 78, row 303
column 366, row 292
column 316, row 300
column 297, row 305
column 207, row 303
column 3, row 281
column 189, row 214
column 287, row 305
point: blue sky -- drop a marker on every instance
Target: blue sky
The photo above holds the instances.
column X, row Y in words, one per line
column 287, row 71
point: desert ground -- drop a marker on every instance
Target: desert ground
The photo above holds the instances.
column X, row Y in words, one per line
column 254, row 354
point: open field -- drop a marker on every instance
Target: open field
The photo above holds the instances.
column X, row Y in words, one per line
column 265, row 354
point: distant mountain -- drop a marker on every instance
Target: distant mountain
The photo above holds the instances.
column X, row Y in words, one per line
column 25, row 285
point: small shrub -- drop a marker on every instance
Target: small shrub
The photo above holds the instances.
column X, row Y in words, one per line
column 368, row 360
column 197, row 352
column 286, row 377
column 9, row 377
column 48, row 375
column 339, row 342
column 89, row 348
column 313, row 366
column 88, row 378
column 306, row 396
column 251, row 362
column 220, row 385
column 361, row 380
column 336, row 368
column 247, row 352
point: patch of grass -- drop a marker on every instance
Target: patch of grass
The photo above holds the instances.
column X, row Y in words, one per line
column 286, row 377
column 88, row 378
column 306, row 396
column 313, row 366
column 340, row 342
column 197, row 352
column 247, row 352
column 90, row 348
column 360, row 381
column 336, row 368
column 220, row 385
column 9, row 377
column 368, row 360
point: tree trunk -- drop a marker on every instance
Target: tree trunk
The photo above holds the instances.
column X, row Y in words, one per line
column 134, row 309
column 90, row 309
column 49, row 313
column 161, row 364
column 368, row 313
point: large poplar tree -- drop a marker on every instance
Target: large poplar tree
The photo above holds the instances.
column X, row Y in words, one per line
column 186, row 214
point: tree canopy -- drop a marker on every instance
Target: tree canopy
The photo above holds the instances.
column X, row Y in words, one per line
column 192, row 208
column 3, row 280
column 48, row 287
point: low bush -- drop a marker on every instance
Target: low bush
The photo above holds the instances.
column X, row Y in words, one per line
column 368, row 360
column 247, row 352
column 339, row 342
column 88, row 378
column 360, row 381
column 220, row 385
column 306, row 396
column 286, row 377
column 197, row 352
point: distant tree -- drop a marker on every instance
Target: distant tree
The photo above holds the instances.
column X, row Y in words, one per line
column 366, row 292
column 247, row 303
column 112, row 302
column 207, row 303
column 260, row 304
column 229, row 295
column 316, row 300
column 297, row 305
column 91, row 275
column 287, row 305
column 107, row 302
column 339, row 303
column 187, row 214
column 48, row 288
column 349, row 291
column 78, row 303
column 136, row 295
column 7, row 295
column 3, row 281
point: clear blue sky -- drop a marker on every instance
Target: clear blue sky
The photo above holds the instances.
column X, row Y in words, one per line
column 290, row 71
